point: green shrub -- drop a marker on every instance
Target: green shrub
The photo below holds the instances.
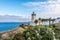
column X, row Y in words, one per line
column 35, row 33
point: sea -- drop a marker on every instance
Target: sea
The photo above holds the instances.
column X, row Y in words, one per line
column 5, row 26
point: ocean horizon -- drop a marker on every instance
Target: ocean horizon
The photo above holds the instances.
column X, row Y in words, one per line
column 5, row 26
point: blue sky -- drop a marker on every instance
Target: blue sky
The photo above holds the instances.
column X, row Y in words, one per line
column 22, row 9
column 16, row 6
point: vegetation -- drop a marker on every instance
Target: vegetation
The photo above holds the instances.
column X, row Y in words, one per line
column 36, row 21
column 57, row 34
column 35, row 33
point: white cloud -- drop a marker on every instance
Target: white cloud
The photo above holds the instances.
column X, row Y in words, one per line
column 50, row 8
column 34, row 3
column 13, row 18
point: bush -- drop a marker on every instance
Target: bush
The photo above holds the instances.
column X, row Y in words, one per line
column 34, row 34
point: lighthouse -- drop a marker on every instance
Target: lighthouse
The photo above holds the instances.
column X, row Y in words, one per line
column 33, row 17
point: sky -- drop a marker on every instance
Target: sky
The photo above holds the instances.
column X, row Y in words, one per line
column 21, row 10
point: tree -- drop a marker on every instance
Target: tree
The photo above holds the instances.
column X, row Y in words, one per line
column 36, row 21
column 49, row 21
column 39, row 18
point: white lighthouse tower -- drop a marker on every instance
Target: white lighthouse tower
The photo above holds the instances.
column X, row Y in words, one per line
column 33, row 17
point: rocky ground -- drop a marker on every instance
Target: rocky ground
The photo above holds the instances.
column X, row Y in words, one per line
column 11, row 33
